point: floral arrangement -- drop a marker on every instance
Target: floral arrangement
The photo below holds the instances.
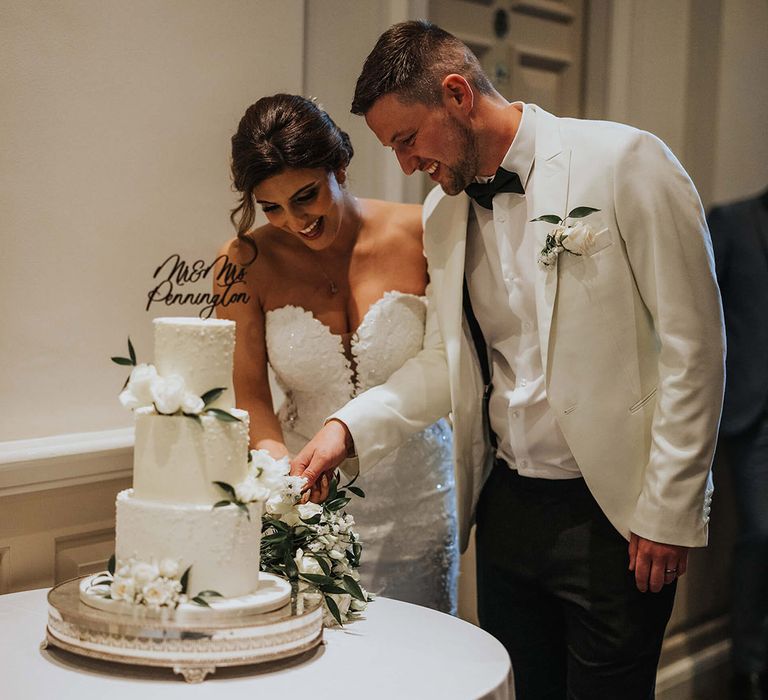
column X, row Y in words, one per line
column 575, row 238
column 150, row 583
column 169, row 395
column 305, row 541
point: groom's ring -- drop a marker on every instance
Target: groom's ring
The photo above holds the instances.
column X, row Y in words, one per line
column 670, row 571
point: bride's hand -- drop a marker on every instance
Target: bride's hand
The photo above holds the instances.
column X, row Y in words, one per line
column 323, row 453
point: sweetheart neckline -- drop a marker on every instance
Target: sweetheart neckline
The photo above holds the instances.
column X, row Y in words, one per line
column 351, row 334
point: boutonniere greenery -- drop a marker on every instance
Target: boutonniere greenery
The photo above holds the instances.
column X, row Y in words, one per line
column 574, row 238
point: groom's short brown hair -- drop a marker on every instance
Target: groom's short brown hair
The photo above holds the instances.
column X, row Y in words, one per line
column 411, row 59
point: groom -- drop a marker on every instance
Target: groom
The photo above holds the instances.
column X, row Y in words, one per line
column 575, row 335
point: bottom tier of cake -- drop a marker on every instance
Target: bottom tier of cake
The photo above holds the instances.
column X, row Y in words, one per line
column 221, row 545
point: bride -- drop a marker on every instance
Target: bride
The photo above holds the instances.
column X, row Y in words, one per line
column 336, row 287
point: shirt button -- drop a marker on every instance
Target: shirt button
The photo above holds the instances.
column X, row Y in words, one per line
column 515, row 414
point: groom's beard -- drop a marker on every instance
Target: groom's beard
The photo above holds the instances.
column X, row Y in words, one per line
column 463, row 172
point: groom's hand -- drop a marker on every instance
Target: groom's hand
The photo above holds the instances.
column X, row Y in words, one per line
column 323, row 453
column 655, row 564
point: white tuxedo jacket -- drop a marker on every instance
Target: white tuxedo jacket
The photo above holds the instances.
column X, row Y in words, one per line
column 631, row 333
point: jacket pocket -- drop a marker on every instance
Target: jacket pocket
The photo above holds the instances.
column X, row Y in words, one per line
column 636, row 407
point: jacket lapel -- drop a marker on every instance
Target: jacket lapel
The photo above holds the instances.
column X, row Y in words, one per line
column 446, row 251
column 548, row 194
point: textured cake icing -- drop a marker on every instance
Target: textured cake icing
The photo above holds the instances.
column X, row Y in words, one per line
column 201, row 351
column 169, row 513
column 175, row 460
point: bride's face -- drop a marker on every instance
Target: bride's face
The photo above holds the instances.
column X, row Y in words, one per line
column 307, row 203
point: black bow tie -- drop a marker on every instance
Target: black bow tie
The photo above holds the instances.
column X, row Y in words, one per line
column 504, row 181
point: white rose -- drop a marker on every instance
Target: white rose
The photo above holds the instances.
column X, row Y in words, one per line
column 291, row 518
column 309, row 510
column 558, row 233
column 279, row 504
column 168, row 393
column 122, row 588
column 169, row 568
column 156, row 594
column 308, row 565
column 144, row 572
column 578, row 238
column 192, row 403
column 250, row 490
column 261, row 459
column 342, row 601
column 137, row 391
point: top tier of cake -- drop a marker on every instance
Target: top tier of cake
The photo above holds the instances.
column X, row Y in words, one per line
column 200, row 351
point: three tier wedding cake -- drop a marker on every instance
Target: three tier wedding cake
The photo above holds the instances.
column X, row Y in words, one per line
column 183, row 537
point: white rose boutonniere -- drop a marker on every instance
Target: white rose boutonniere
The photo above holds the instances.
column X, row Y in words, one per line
column 575, row 238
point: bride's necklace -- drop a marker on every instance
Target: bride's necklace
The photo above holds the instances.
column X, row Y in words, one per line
column 333, row 288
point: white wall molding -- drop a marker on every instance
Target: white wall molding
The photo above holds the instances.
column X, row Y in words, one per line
column 65, row 460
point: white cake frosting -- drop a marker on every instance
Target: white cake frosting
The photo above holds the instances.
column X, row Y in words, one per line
column 170, row 514
column 176, row 459
column 199, row 350
column 221, row 545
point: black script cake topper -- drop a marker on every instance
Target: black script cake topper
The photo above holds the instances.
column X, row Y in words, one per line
column 174, row 273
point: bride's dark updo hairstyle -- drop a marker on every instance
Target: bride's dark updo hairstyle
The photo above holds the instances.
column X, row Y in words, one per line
column 278, row 133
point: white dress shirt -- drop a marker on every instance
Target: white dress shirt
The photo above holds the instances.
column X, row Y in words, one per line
column 501, row 267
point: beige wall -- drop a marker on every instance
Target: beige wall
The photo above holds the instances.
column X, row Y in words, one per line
column 741, row 148
column 115, row 127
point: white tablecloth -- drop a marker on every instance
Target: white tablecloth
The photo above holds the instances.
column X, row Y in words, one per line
column 399, row 651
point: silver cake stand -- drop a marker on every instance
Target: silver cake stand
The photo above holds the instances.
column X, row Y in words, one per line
column 192, row 649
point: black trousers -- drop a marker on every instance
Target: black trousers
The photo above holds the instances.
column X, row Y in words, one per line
column 554, row 588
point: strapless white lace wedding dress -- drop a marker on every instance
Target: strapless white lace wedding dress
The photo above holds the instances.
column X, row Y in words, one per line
column 407, row 521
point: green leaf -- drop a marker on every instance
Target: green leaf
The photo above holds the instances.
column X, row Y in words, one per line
column 195, row 418
column 227, row 488
column 580, row 212
column 213, row 394
column 291, row 570
column 318, row 579
column 245, row 510
column 333, row 609
column 121, row 361
column 333, row 489
column 185, row 579
column 314, row 520
column 353, row 588
column 222, row 415
column 336, row 504
column 201, row 601
column 111, row 565
column 333, row 588
column 357, row 491
column 549, row 218
column 221, row 504
column 346, row 486
column 324, row 563
column 210, row 594
column 250, row 456
column 131, row 352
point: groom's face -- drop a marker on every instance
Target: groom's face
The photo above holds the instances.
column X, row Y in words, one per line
column 426, row 138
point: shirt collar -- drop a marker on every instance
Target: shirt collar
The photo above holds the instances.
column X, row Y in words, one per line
column 519, row 157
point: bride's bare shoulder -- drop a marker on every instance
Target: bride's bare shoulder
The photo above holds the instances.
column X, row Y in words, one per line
column 395, row 219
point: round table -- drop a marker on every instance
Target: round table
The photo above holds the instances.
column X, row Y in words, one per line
column 398, row 651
